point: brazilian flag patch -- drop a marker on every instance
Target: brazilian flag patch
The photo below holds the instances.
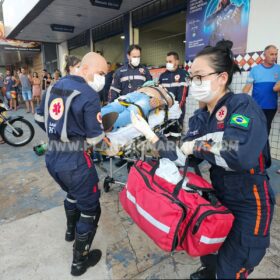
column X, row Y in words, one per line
column 240, row 120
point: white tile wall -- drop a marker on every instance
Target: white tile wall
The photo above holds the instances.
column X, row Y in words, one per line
column 238, row 83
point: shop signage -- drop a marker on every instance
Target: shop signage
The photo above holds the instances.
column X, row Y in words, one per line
column 62, row 28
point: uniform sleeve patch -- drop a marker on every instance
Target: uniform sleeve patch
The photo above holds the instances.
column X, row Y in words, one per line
column 56, row 109
column 240, row 120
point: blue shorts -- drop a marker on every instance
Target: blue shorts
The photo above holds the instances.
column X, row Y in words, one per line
column 8, row 95
column 26, row 95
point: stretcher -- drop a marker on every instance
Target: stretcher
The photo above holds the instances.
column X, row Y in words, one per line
column 129, row 144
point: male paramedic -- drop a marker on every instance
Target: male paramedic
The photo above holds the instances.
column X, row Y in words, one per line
column 129, row 77
column 70, row 114
column 174, row 80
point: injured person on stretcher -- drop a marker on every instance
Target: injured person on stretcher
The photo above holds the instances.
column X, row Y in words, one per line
column 143, row 101
column 155, row 104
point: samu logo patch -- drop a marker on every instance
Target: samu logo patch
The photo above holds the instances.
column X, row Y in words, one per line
column 56, row 109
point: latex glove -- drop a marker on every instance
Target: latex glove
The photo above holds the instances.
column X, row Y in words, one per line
column 142, row 126
column 187, row 147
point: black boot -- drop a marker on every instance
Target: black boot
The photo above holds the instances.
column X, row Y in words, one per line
column 72, row 217
column 82, row 258
column 203, row 273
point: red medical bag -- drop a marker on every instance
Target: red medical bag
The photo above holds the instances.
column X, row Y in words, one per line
column 174, row 218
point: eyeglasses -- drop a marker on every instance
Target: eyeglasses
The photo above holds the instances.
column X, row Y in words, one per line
column 197, row 79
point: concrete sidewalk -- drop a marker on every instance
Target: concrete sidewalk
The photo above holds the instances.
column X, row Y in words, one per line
column 33, row 248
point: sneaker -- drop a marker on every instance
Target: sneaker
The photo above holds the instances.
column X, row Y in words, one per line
column 203, row 273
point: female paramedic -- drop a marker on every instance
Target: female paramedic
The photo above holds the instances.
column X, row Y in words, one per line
column 230, row 133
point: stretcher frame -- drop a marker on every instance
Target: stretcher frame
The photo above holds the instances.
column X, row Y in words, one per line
column 131, row 155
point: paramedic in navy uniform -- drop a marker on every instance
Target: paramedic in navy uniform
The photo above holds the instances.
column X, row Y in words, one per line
column 174, row 80
column 230, row 133
column 129, row 77
column 70, row 114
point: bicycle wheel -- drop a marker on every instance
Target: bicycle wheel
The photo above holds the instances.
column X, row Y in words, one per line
column 19, row 133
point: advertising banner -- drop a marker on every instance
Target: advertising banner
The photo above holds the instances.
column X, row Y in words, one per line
column 209, row 21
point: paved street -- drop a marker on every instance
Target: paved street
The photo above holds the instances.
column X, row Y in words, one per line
column 32, row 227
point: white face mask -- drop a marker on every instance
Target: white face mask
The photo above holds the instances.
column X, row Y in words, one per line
column 74, row 71
column 203, row 92
column 170, row 66
column 98, row 82
column 135, row 61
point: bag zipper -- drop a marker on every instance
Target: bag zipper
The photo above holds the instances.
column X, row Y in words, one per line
column 176, row 236
column 204, row 215
column 190, row 222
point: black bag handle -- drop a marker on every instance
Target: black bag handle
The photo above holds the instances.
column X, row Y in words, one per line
column 180, row 184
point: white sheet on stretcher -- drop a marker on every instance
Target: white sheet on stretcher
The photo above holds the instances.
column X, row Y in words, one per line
column 126, row 134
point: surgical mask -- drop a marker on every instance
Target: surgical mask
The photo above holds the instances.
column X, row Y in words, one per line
column 98, row 82
column 203, row 92
column 170, row 66
column 135, row 61
column 74, row 71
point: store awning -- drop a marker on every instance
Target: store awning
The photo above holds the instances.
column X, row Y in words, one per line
column 32, row 19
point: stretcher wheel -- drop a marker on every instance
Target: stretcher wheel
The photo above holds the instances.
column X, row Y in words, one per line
column 106, row 184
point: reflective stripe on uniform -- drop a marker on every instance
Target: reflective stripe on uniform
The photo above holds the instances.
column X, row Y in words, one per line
column 134, row 77
column 216, row 137
column 146, row 215
column 46, row 109
column 95, row 140
column 71, row 200
column 178, row 84
column 259, row 210
column 115, row 89
column 39, row 118
column 64, row 137
column 268, row 208
column 86, row 216
column 238, row 274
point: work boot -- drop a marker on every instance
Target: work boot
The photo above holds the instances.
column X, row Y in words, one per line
column 72, row 217
column 203, row 273
column 82, row 258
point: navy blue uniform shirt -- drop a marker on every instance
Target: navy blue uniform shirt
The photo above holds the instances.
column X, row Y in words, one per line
column 70, row 111
column 175, row 82
column 127, row 79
